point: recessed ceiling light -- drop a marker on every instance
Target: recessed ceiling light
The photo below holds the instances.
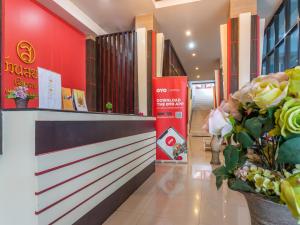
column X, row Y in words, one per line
column 191, row 45
column 198, row 76
column 194, row 54
column 196, row 68
column 188, row 33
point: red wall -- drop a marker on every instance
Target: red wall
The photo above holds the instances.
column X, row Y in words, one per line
column 58, row 46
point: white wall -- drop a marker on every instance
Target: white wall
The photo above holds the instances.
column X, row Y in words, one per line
column 142, row 69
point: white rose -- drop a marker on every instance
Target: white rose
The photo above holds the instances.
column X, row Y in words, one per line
column 219, row 123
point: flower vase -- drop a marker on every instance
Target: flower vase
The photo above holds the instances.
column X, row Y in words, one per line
column 266, row 212
column 109, row 111
column 21, row 103
column 216, row 144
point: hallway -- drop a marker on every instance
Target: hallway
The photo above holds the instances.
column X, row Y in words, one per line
column 179, row 194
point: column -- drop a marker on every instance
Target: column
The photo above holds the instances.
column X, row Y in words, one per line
column 241, row 41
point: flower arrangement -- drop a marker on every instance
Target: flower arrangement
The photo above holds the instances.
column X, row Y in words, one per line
column 20, row 92
column 261, row 124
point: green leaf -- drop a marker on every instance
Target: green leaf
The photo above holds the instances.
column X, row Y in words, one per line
column 291, row 136
column 254, row 126
column 219, row 182
column 221, row 171
column 231, row 155
column 221, row 174
column 271, row 111
column 289, row 151
column 244, row 139
column 242, row 160
column 239, row 185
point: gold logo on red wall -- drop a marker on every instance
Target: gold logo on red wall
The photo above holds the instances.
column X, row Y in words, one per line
column 26, row 52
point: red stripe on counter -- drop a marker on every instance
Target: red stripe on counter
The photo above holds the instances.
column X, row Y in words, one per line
column 81, row 203
column 86, row 158
column 84, row 187
column 78, row 146
column 88, row 171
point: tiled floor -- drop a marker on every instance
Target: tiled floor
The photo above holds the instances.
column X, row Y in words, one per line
column 179, row 194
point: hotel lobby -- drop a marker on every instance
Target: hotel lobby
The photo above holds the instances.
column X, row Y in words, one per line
column 150, row 112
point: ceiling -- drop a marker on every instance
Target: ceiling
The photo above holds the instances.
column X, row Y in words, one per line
column 201, row 17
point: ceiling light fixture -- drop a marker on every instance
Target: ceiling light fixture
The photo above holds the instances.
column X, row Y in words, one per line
column 198, row 76
column 194, row 54
column 191, row 45
column 188, row 33
column 197, row 68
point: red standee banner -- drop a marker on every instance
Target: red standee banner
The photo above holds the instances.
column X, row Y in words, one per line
column 170, row 96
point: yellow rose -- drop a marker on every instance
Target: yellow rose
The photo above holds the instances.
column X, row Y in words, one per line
column 268, row 91
column 288, row 118
column 294, row 86
column 290, row 194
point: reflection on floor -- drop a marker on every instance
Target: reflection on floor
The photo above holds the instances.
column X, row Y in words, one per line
column 198, row 119
column 183, row 195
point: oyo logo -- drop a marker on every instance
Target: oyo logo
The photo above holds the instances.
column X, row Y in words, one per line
column 26, row 52
column 161, row 90
column 170, row 141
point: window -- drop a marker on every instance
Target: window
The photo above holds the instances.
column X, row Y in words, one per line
column 271, row 64
column 265, row 46
column 264, row 68
column 293, row 12
column 280, row 54
column 271, row 37
column 293, row 41
column 281, row 39
column 281, row 24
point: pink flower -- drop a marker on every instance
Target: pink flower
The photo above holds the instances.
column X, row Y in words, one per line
column 232, row 107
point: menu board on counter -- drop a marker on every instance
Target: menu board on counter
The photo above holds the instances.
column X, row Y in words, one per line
column 49, row 89
column 80, row 101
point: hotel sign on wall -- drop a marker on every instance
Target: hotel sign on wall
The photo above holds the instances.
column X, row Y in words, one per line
column 26, row 52
column 23, row 71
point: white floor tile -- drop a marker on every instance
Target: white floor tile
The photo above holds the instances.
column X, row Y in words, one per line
column 183, row 194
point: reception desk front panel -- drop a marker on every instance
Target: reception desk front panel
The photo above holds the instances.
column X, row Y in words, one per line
column 71, row 168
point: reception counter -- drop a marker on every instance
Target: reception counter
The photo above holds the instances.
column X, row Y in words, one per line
column 69, row 167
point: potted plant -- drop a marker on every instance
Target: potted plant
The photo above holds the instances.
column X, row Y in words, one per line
column 21, row 96
column 109, row 107
column 261, row 123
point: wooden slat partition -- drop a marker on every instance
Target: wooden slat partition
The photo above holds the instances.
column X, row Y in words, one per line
column 255, row 48
column 171, row 63
column 91, row 83
column 116, row 72
column 233, row 55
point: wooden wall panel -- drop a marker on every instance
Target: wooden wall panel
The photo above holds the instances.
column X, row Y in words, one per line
column 224, row 50
column 116, row 72
column 255, row 47
column 233, row 55
column 149, row 70
column 91, row 82
column 171, row 63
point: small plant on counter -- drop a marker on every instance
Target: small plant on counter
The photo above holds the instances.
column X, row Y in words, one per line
column 109, row 107
column 21, row 96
